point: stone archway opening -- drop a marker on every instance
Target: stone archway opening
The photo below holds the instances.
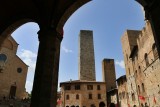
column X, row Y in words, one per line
column 27, row 38
column 101, row 104
column 54, row 66
column 20, row 60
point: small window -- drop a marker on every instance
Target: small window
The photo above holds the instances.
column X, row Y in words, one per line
column 133, row 97
column 77, row 96
column 67, row 97
column 129, row 71
column 98, row 87
column 123, row 95
column 19, row 70
column 139, row 91
column 68, row 87
column 143, row 88
column 127, row 96
column 77, row 87
column 90, row 87
column 136, row 73
column 90, row 96
column 146, row 59
column 139, row 68
column 99, row 96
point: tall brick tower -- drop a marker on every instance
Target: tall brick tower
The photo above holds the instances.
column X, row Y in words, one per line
column 108, row 73
column 86, row 56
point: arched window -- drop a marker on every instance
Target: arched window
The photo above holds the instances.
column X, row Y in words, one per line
column 131, row 86
column 143, row 88
column 67, row 97
column 133, row 97
column 92, row 105
column 127, row 96
column 123, row 95
column 77, row 96
column 120, row 96
column 154, row 49
column 146, row 59
column 139, row 68
column 129, row 71
column 136, row 73
column 139, row 91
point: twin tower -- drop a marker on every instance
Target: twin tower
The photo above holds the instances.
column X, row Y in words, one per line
column 87, row 60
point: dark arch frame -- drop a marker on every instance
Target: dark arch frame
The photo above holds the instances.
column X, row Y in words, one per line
column 101, row 104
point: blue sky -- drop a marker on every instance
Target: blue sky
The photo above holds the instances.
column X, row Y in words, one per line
column 108, row 19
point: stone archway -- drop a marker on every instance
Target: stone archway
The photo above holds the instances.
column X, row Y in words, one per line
column 101, row 104
column 51, row 21
column 12, row 93
column 92, row 105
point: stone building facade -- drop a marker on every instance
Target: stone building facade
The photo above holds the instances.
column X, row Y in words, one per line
column 86, row 56
column 142, row 66
column 122, row 91
column 82, row 93
column 13, row 71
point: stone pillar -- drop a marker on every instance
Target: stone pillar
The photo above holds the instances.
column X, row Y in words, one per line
column 154, row 18
column 152, row 10
column 44, row 92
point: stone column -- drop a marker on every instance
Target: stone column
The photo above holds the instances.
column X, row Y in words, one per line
column 44, row 92
column 152, row 10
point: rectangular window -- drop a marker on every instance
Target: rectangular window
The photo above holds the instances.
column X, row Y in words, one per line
column 99, row 96
column 68, row 87
column 98, row 87
column 77, row 87
column 90, row 96
column 67, row 97
column 90, row 87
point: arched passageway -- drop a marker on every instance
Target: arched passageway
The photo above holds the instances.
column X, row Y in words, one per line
column 101, row 104
column 51, row 16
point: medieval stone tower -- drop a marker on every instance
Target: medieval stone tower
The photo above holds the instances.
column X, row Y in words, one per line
column 86, row 56
column 108, row 73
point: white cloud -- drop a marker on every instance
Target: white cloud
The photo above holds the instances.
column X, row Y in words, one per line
column 29, row 58
column 120, row 63
column 27, row 54
column 29, row 85
column 66, row 50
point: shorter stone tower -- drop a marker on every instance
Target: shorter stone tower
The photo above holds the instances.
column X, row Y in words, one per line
column 108, row 73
